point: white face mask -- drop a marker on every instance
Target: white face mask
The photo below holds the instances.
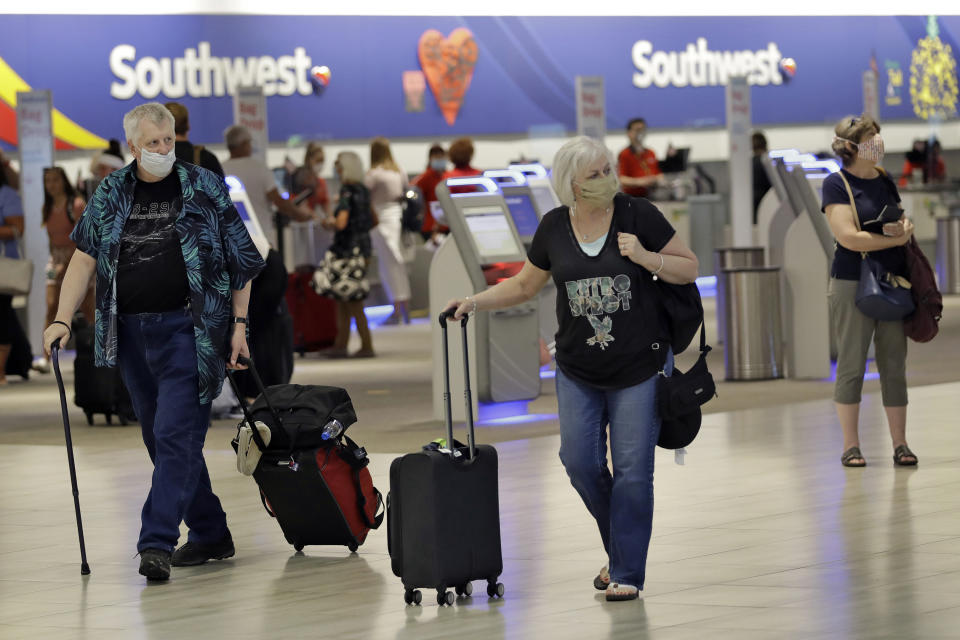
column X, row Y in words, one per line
column 157, row 164
column 439, row 165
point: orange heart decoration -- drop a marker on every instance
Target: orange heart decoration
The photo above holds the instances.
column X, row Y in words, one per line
column 448, row 64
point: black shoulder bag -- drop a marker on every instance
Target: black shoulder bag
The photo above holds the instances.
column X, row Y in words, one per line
column 680, row 396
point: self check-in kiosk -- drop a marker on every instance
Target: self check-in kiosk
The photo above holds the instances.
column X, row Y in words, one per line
column 483, row 248
column 519, row 198
column 522, row 204
column 544, row 197
column 807, row 255
column 238, row 194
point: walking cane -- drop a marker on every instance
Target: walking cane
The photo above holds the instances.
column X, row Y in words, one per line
column 55, row 352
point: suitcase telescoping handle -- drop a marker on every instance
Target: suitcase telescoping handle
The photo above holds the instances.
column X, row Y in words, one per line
column 243, row 401
column 467, row 395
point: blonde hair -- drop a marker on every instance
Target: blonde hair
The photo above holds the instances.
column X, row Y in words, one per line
column 571, row 159
column 380, row 155
column 351, row 167
column 312, row 148
column 852, row 129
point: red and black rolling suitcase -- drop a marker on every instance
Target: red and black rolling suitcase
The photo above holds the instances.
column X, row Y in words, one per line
column 320, row 492
column 443, row 512
column 314, row 316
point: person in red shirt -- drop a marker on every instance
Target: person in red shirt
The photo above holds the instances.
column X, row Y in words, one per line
column 924, row 157
column 427, row 182
column 637, row 165
column 461, row 154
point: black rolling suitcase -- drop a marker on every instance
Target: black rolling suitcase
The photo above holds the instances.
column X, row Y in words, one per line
column 320, row 491
column 443, row 514
column 98, row 389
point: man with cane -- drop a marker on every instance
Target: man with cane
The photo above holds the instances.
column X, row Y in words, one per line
column 173, row 263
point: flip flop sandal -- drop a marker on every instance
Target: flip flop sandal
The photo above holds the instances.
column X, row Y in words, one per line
column 901, row 452
column 853, row 453
column 602, row 581
column 616, row 592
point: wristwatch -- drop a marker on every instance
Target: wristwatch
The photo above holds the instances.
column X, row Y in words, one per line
column 238, row 320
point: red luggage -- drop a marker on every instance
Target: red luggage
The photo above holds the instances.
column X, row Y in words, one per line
column 314, row 316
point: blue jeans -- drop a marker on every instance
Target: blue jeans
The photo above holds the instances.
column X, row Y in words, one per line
column 158, row 361
column 622, row 504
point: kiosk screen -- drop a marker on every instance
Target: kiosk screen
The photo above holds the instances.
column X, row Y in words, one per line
column 543, row 196
column 491, row 232
column 524, row 215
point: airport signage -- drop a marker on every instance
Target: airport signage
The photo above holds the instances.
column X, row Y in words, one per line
column 351, row 77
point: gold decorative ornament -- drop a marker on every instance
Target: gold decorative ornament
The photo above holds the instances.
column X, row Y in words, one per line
column 933, row 76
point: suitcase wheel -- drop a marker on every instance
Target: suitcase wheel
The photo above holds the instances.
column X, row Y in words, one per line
column 495, row 589
column 445, row 597
column 109, row 419
column 465, row 589
column 353, row 547
column 89, row 415
column 298, row 547
column 412, row 596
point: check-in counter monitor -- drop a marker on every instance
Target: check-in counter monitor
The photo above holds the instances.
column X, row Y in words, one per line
column 519, row 199
column 483, row 249
column 518, row 189
column 544, row 197
column 241, row 201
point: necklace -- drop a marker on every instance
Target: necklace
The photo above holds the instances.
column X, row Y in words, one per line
column 573, row 217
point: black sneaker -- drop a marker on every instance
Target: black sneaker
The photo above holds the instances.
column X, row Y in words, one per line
column 155, row 564
column 192, row 554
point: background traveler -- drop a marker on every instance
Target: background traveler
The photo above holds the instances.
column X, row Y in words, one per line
column 11, row 226
column 387, row 184
column 186, row 151
column 860, row 147
column 427, row 182
column 346, row 261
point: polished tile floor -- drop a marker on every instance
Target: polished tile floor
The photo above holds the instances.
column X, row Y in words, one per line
column 761, row 534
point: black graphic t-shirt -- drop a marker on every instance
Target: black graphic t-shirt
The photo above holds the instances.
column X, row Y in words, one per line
column 871, row 196
column 151, row 274
column 606, row 307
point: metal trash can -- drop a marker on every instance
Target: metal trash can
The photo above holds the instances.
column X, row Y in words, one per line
column 753, row 330
column 948, row 254
column 729, row 258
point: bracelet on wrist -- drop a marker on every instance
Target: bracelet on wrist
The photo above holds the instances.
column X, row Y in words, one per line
column 474, row 301
column 69, row 330
column 659, row 269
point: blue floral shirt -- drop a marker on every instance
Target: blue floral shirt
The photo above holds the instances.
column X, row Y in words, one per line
column 218, row 253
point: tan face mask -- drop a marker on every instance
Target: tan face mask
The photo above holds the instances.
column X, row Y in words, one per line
column 599, row 190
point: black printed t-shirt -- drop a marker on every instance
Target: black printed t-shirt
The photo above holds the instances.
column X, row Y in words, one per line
column 151, row 274
column 607, row 311
column 870, row 195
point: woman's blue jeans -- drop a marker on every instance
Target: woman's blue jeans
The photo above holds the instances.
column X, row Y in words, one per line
column 622, row 504
column 158, row 361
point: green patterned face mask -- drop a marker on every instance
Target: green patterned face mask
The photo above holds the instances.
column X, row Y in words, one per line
column 599, row 190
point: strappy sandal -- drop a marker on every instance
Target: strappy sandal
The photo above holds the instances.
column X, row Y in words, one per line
column 853, row 453
column 602, row 581
column 617, row 591
column 901, row 452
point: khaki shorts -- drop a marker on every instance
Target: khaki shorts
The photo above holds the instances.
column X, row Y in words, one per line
column 854, row 332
